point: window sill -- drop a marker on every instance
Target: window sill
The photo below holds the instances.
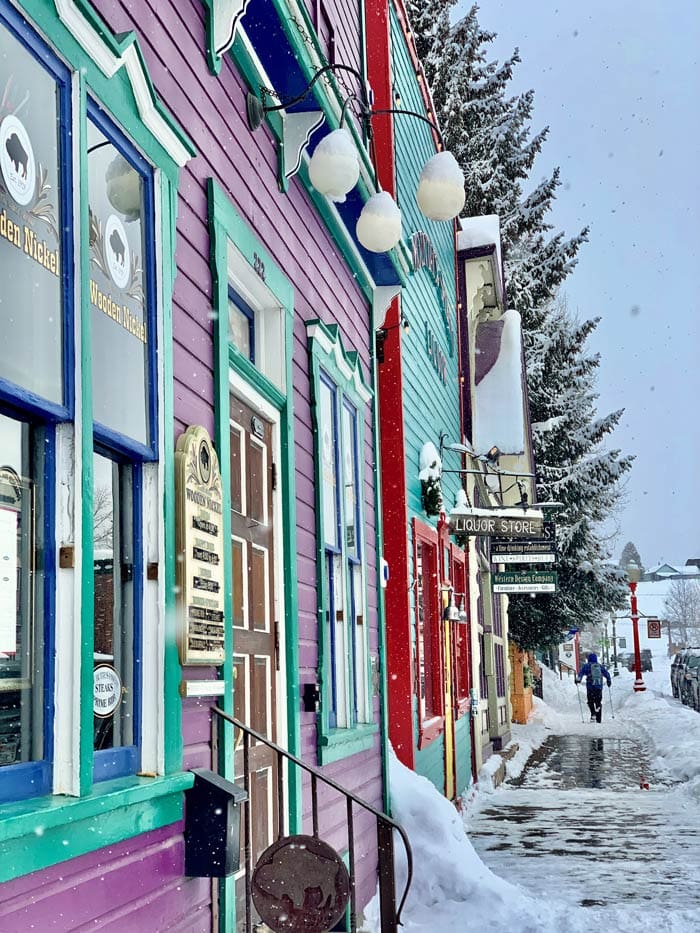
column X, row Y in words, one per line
column 37, row 833
column 341, row 743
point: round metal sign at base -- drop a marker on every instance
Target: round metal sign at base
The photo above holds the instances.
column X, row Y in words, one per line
column 300, row 885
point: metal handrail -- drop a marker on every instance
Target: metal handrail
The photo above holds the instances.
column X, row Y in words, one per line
column 384, row 824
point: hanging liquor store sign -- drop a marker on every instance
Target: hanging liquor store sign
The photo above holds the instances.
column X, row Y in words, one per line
column 200, row 566
column 504, row 523
column 524, row 582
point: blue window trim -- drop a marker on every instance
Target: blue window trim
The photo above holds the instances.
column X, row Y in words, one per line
column 340, row 370
column 330, row 583
column 106, row 435
column 331, row 385
column 249, row 314
column 44, row 55
column 355, row 559
column 34, row 778
column 111, row 763
column 333, row 550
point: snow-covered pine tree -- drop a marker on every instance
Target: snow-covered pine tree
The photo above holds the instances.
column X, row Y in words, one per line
column 630, row 553
column 430, row 23
column 573, row 466
column 488, row 130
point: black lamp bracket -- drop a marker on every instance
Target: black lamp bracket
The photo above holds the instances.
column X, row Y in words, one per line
column 257, row 108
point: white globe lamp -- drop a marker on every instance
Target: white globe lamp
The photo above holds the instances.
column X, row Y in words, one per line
column 379, row 225
column 440, row 192
column 334, row 168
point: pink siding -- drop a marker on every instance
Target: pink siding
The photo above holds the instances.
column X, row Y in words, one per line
column 138, row 884
column 139, row 879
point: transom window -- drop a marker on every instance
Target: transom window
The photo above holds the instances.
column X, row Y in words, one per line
column 241, row 319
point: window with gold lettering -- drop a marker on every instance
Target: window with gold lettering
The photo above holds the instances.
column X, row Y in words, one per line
column 120, row 292
column 32, row 241
column 123, row 399
column 76, row 529
column 36, row 390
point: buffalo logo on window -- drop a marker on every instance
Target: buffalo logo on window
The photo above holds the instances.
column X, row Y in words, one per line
column 17, row 160
column 117, row 251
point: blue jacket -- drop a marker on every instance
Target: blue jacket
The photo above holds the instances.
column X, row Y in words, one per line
column 586, row 672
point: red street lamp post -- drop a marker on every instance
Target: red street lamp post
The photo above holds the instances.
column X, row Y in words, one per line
column 634, row 572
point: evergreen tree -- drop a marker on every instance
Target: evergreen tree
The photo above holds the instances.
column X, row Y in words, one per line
column 573, row 467
column 488, row 129
column 630, row 553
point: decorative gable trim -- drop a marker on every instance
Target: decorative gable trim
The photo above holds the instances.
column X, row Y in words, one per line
column 327, row 339
column 223, row 17
column 111, row 53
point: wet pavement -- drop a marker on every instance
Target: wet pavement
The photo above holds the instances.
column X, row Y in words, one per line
column 577, row 823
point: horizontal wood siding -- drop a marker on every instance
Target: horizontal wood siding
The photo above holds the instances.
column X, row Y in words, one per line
column 430, row 763
column 430, row 404
column 212, row 110
column 463, row 757
column 136, row 885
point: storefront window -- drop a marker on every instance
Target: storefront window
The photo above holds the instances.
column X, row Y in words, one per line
column 31, row 261
column 22, row 608
column 430, row 684
column 116, row 597
column 121, row 332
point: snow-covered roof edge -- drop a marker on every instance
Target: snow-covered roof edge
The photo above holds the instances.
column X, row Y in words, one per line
column 475, row 232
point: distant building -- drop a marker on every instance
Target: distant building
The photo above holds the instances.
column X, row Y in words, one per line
column 690, row 570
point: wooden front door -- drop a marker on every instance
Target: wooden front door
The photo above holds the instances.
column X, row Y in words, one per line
column 256, row 655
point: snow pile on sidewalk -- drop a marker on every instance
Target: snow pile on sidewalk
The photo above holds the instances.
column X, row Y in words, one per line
column 452, row 889
column 671, row 729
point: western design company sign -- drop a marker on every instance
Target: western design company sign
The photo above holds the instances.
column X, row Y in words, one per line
column 200, row 566
column 524, row 582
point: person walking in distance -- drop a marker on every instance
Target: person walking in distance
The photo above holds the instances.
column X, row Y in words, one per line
column 595, row 673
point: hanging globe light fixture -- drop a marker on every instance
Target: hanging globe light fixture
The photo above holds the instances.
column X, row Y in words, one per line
column 379, row 225
column 440, row 192
column 334, row 168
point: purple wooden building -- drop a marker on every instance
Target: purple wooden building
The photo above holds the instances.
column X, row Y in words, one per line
column 180, row 270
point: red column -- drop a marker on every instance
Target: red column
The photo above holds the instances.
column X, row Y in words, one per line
column 639, row 684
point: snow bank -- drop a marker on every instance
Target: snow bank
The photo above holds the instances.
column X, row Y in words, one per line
column 673, row 730
column 454, row 891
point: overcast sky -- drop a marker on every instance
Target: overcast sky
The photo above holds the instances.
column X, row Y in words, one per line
column 618, row 81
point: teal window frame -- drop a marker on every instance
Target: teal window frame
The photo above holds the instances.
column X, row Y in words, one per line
column 335, row 367
column 109, row 70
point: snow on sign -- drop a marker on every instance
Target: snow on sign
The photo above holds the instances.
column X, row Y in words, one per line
column 529, row 582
